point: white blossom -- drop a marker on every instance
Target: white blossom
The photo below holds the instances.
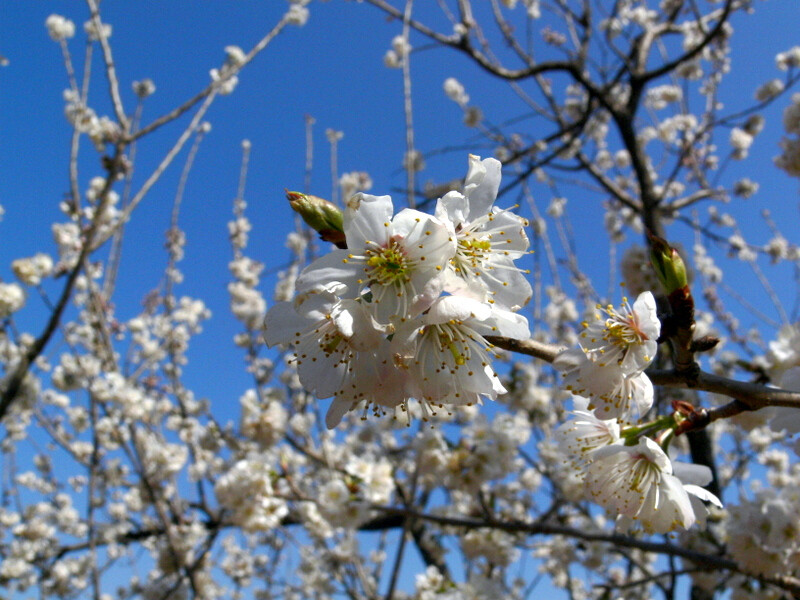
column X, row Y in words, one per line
column 455, row 91
column 399, row 260
column 769, row 90
column 59, row 28
column 94, row 34
column 31, row 271
column 488, row 241
column 446, row 354
column 637, row 482
column 246, row 489
column 788, row 59
column 12, row 298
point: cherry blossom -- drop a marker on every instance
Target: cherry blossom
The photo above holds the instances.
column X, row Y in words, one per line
column 446, row 354
column 399, row 261
column 637, row 482
column 488, row 240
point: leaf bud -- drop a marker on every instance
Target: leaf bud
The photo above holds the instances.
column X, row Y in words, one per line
column 322, row 216
column 668, row 265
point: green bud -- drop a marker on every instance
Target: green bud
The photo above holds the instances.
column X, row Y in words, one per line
column 322, row 216
column 668, row 264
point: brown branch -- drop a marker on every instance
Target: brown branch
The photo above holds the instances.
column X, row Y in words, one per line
column 14, row 382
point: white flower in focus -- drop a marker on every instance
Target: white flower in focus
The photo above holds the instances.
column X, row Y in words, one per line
column 637, row 482
column 334, row 342
column 12, row 298
column 626, row 337
column 399, row 260
column 609, row 366
column 487, row 240
column 59, row 28
column 613, row 394
column 446, row 354
column 581, row 436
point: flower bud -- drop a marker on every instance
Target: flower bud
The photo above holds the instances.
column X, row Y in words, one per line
column 319, row 214
column 668, row 265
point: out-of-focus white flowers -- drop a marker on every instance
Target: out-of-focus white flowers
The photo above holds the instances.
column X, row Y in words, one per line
column 789, row 59
column 740, row 142
column 789, row 161
column 769, row 90
column 12, row 298
column 94, row 33
column 397, row 54
column 246, row 490
column 225, row 77
column 455, row 91
column 298, row 13
column 59, row 28
column 31, row 271
column 353, row 182
column 663, row 95
column 144, row 88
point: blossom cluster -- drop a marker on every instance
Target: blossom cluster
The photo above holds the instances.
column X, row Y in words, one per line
column 403, row 312
column 620, row 466
column 632, row 477
column 789, row 160
column 615, row 349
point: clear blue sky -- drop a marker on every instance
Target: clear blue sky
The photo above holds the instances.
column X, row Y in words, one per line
column 331, row 69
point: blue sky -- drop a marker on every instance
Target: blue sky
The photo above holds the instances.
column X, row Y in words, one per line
column 331, row 69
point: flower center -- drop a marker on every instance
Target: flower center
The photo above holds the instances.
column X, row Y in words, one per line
column 388, row 264
column 623, row 330
column 448, row 337
column 472, row 251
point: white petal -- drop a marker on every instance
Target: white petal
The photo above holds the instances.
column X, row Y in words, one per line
column 647, row 315
column 367, row 218
column 336, row 411
column 703, row 494
column 457, row 307
column 453, row 208
column 481, row 184
column 692, row 474
column 332, row 267
column 282, row 323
